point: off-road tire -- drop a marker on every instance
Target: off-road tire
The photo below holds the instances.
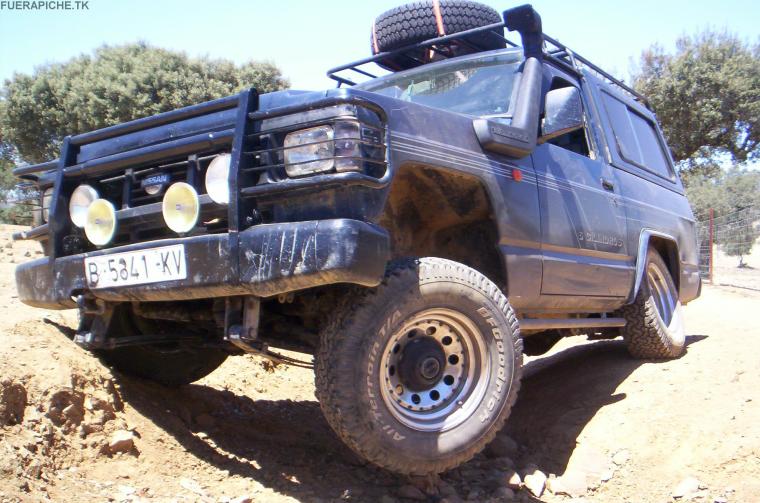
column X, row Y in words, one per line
column 646, row 334
column 416, row 22
column 347, row 384
column 173, row 364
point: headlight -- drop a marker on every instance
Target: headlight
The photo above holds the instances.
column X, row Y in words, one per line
column 81, row 199
column 100, row 225
column 309, row 151
column 180, row 207
column 47, row 199
column 217, row 175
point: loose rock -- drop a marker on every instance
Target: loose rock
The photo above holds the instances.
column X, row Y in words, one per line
column 74, row 413
column 192, row 486
column 504, row 493
column 572, row 483
column 121, row 441
column 446, row 489
column 590, row 462
column 621, row 457
column 686, row 488
column 12, row 402
column 502, row 446
column 60, row 401
column 535, row 481
column 503, row 463
column 513, row 480
column 607, row 475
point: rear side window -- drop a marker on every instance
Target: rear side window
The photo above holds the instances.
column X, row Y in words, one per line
column 636, row 138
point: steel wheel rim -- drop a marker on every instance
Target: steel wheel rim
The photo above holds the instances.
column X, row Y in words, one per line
column 663, row 297
column 461, row 384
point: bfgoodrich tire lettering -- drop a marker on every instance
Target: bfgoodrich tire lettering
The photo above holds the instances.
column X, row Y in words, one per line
column 353, row 377
column 654, row 327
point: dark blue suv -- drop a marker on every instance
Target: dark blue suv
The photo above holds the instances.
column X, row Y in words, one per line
column 416, row 232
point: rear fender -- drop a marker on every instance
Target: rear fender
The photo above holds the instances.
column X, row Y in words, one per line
column 647, row 239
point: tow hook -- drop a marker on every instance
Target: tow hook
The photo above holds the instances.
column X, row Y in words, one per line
column 94, row 318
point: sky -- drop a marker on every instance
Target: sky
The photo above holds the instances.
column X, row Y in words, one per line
column 306, row 37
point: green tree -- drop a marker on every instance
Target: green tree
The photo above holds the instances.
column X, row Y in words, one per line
column 734, row 197
column 113, row 85
column 11, row 212
column 706, row 98
column 706, row 193
column 739, row 236
column 740, row 228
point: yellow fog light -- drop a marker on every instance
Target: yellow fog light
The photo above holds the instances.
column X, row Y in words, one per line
column 181, row 207
column 100, row 225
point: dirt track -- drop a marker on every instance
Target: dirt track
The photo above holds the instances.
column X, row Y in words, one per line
column 249, row 431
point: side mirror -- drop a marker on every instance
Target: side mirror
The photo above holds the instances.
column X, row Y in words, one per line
column 518, row 139
column 563, row 113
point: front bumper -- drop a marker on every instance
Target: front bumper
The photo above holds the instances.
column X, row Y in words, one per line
column 263, row 260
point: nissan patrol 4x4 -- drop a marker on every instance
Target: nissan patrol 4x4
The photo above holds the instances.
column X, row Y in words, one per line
column 416, row 232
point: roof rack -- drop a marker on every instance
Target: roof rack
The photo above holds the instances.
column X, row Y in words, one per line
column 554, row 51
column 561, row 52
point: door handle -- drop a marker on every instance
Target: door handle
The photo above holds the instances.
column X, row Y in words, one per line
column 608, row 185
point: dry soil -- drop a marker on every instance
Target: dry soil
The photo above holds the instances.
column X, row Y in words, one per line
column 602, row 426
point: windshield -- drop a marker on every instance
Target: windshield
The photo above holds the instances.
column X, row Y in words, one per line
column 480, row 86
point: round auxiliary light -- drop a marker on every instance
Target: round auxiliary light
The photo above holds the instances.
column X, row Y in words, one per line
column 217, row 174
column 181, row 207
column 81, row 199
column 100, row 225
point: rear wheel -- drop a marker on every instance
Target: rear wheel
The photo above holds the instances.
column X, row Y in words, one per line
column 419, row 374
column 654, row 327
column 171, row 364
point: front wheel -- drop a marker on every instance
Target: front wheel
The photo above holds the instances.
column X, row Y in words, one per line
column 419, row 374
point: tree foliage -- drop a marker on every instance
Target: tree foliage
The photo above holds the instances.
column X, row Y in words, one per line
column 113, row 85
column 707, row 98
column 729, row 192
column 734, row 197
column 10, row 211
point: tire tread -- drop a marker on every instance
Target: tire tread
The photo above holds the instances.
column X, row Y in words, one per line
column 415, row 22
column 334, row 356
column 643, row 334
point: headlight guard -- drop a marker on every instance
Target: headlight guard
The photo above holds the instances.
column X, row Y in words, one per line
column 309, row 151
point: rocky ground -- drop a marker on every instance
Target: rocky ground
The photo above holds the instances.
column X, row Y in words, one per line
column 591, row 424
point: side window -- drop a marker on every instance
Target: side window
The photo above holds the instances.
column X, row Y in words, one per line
column 574, row 141
column 636, row 138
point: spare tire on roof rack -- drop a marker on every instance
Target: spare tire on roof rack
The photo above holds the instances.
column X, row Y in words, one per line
column 419, row 21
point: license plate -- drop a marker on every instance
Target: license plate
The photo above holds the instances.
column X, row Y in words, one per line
column 136, row 268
